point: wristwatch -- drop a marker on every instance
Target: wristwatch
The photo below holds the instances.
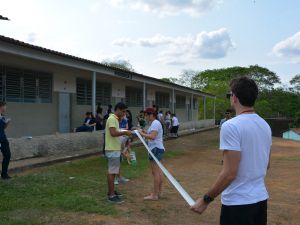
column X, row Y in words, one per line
column 207, row 199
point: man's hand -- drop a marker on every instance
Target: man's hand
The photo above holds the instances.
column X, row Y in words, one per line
column 127, row 133
column 200, row 206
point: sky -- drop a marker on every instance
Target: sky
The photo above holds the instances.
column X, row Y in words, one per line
column 161, row 38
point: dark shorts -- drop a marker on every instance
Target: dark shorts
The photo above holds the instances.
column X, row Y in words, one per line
column 158, row 153
column 252, row 214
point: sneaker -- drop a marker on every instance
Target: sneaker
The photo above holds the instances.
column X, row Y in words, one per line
column 115, row 199
column 5, row 177
column 116, row 182
column 118, row 194
column 123, row 180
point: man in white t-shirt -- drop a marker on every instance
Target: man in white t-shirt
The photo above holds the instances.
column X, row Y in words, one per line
column 245, row 141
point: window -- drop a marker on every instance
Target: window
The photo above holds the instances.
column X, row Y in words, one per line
column 180, row 101
column 195, row 102
column 17, row 85
column 103, row 93
column 162, row 99
column 134, row 97
column 84, row 92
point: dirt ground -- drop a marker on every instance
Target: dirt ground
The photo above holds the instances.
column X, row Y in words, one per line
column 196, row 169
column 195, row 162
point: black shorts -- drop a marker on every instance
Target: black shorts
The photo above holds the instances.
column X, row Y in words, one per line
column 252, row 214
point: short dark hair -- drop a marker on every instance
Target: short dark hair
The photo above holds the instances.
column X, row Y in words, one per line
column 120, row 106
column 2, row 103
column 245, row 89
column 228, row 111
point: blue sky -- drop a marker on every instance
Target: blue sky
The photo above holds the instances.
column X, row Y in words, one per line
column 161, row 38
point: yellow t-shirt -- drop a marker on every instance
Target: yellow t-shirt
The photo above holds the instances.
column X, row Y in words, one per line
column 112, row 143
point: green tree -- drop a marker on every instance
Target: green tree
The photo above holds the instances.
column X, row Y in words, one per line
column 120, row 64
column 295, row 82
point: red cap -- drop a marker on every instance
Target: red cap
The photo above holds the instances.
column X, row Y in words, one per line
column 149, row 110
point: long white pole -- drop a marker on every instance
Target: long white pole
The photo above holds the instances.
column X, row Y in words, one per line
column 175, row 183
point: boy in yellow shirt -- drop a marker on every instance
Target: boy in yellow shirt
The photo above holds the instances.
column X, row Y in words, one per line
column 113, row 149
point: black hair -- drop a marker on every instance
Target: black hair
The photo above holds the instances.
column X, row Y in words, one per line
column 228, row 111
column 120, row 106
column 99, row 110
column 88, row 113
column 245, row 89
column 2, row 103
column 109, row 106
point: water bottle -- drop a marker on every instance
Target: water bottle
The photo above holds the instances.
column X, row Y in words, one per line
column 133, row 158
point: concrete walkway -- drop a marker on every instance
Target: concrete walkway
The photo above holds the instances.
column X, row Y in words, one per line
column 25, row 164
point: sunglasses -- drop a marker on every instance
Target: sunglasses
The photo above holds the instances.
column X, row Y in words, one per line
column 229, row 95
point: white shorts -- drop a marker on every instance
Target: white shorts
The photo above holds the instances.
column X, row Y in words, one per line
column 113, row 158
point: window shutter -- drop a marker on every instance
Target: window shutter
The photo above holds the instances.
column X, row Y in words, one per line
column 180, row 101
column 134, row 97
column 30, row 86
column 45, row 88
column 103, row 93
column 13, row 85
column 162, row 99
column 84, row 92
column 2, row 83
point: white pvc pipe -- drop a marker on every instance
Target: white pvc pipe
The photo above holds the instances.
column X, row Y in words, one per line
column 175, row 183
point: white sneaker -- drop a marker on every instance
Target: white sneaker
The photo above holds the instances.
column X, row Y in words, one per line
column 116, row 181
column 123, row 180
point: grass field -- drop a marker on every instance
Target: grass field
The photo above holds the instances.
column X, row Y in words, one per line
column 75, row 192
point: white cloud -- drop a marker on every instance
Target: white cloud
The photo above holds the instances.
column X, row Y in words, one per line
column 180, row 50
column 289, row 48
column 169, row 7
column 31, row 37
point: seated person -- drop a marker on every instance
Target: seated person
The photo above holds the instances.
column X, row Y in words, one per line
column 88, row 125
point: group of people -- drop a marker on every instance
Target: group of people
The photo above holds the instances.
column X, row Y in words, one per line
column 245, row 141
column 113, row 148
column 169, row 121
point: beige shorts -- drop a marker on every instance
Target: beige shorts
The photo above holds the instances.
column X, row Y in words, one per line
column 113, row 158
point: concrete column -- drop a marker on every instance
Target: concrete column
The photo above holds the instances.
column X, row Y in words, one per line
column 204, row 107
column 144, row 95
column 173, row 100
column 215, row 108
column 94, row 92
column 192, row 107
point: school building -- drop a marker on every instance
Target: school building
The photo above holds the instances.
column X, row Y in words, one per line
column 49, row 91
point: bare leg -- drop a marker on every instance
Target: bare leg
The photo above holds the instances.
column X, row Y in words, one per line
column 111, row 185
column 157, row 182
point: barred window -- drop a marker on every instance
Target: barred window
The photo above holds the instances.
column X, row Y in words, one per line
column 180, row 101
column 134, row 97
column 18, row 85
column 84, row 92
column 103, row 93
column 162, row 99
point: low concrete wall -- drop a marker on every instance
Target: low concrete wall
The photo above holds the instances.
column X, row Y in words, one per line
column 60, row 144
column 196, row 124
column 54, row 144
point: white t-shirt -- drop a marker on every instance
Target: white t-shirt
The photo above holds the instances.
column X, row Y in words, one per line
column 158, row 141
column 251, row 135
column 160, row 116
column 175, row 121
